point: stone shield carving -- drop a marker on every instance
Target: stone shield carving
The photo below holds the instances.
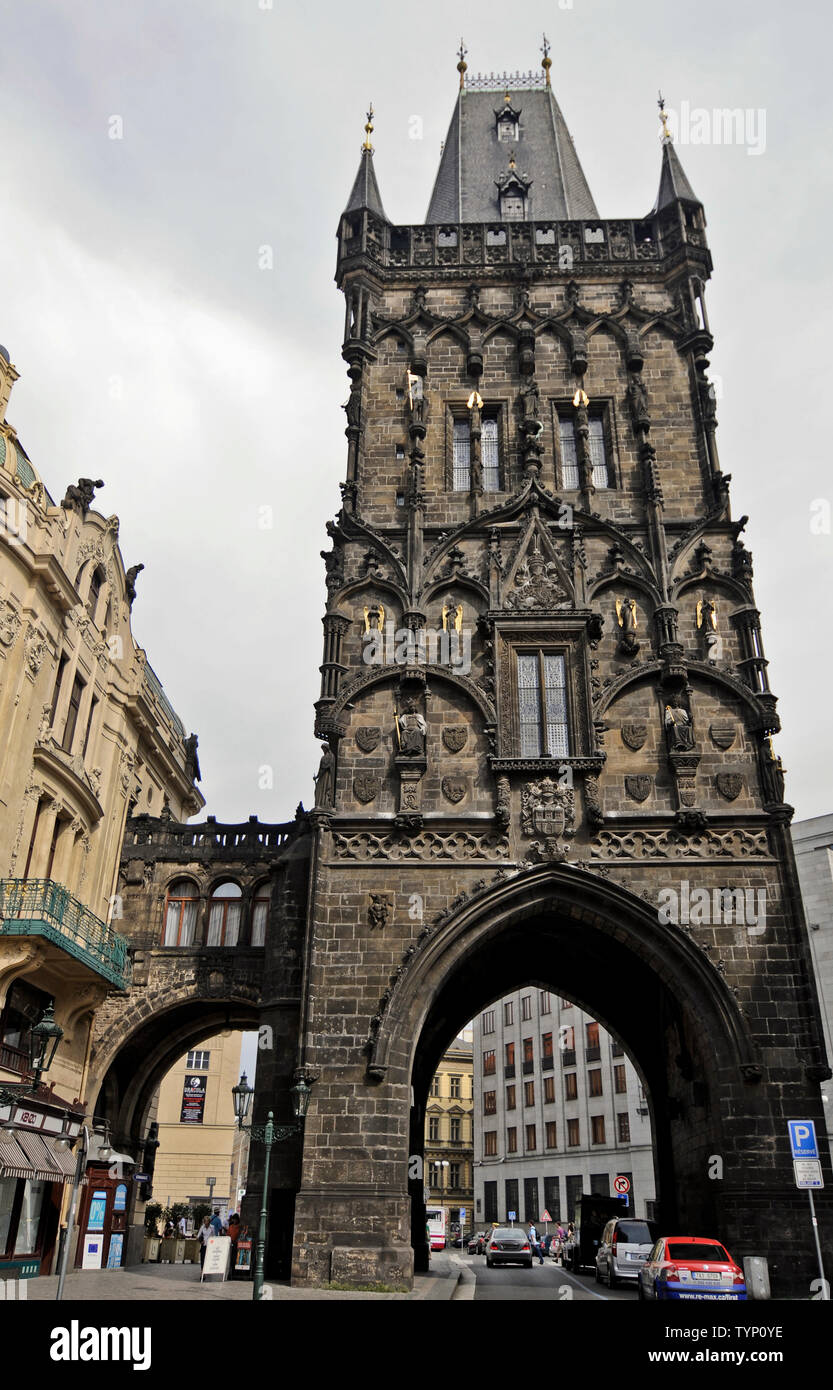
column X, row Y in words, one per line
column 639, row 788
column 455, row 738
column 722, row 734
column 453, row 788
column 366, row 786
column 548, row 809
column 367, row 737
column 634, row 735
column 729, row 784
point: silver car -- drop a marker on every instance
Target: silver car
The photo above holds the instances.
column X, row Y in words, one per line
column 508, row 1245
column 623, row 1249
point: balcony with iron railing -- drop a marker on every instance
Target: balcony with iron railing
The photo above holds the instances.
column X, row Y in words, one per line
column 41, row 907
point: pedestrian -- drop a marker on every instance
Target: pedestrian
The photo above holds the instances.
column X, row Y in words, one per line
column 204, row 1235
column 182, row 1224
column 533, row 1240
column 216, row 1223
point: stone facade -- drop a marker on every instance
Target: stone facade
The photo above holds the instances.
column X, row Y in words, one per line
column 533, row 473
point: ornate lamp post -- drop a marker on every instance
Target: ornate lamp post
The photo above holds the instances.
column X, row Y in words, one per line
column 267, row 1134
column 43, row 1044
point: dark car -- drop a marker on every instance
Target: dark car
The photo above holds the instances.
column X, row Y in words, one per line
column 508, row 1245
column 477, row 1244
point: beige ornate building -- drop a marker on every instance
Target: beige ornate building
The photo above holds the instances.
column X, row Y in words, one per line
column 449, row 1134
column 197, row 1128
column 88, row 736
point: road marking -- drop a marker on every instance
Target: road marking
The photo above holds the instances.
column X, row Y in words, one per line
column 579, row 1285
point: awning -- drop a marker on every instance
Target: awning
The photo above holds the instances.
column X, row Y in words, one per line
column 24, row 1154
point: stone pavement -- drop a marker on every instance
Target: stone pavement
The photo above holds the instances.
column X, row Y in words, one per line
column 173, row 1283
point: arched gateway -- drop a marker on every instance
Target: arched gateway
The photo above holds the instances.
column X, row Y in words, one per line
column 545, row 716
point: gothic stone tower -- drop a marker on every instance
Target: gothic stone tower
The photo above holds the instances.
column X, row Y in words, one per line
column 544, row 703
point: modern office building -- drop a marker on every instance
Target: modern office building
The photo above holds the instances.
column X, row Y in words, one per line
column 558, row 1110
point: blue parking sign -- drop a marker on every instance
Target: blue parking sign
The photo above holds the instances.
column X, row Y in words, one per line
column 803, row 1138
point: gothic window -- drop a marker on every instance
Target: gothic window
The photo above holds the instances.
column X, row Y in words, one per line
column 489, row 454
column 180, row 913
column 224, row 912
column 600, row 452
column 542, row 705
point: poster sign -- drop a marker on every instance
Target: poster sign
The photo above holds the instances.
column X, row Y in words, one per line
column 193, row 1100
column 98, row 1208
column 244, row 1255
column 93, row 1248
column 217, row 1255
column 114, row 1253
column 120, row 1197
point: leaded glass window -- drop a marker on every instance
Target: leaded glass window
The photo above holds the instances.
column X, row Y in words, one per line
column 542, row 705
column 489, row 456
column 570, row 476
column 462, row 456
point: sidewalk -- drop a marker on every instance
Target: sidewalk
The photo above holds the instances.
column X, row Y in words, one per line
column 174, row 1283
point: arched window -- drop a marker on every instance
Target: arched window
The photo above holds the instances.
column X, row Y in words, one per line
column 224, row 914
column 181, row 913
column 96, row 582
column 260, row 913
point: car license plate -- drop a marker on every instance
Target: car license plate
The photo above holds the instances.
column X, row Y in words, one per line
column 704, row 1274
column 636, row 1256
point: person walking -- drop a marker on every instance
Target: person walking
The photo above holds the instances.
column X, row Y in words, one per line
column 204, row 1235
column 216, row 1223
column 533, row 1240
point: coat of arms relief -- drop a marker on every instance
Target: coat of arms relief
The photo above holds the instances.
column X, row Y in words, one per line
column 548, row 809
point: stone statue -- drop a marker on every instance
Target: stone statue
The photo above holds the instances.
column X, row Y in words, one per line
column 192, row 764
column 130, row 582
column 531, row 399
column 678, row 726
column 411, row 729
column 325, row 777
column 416, row 398
column 82, row 495
column 638, row 400
column 354, row 406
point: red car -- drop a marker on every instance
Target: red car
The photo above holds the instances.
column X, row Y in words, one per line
column 688, row 1267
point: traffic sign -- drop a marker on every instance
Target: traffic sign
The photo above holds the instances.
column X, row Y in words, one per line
column 546, row 1216
column 512, row 1216
column 462, row 1213
column 621, row 1185
column 803, row 1138
column 808, row 1172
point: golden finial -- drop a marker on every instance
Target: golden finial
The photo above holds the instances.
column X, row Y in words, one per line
column 581, row 397
column 506, row 97
column 663, row 115
column 511, row 159
column 546, row 61
column 462, row 65
column 368, row 130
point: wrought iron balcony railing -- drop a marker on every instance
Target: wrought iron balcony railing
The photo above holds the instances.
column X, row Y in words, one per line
column 41, row 907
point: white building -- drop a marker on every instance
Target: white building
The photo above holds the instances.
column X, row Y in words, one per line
column 813, row 845
column 558, row 1110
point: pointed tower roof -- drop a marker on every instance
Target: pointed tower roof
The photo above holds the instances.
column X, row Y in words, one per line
column 365, row 191
column 673, row 185
column 474, row 155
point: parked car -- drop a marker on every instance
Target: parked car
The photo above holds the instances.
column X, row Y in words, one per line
column 623, row 1249
column 690, row 1267
column 508, row 1245
column 477, row 1244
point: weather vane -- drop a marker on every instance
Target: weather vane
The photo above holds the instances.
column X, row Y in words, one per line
column 546, row 61
column 462, row 65
column 368, row 130
column 663, row 115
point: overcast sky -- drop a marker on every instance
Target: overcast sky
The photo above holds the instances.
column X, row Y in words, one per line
column 155, row 353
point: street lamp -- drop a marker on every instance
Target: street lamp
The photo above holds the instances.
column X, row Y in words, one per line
column 267, row 1134
column 44, row 1037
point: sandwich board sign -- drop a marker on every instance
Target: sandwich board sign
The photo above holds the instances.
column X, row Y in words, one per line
column 217, row 1255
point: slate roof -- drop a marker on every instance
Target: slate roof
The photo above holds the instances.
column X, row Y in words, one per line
column 473, row 159
column 673, row 184
column 365, row 192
